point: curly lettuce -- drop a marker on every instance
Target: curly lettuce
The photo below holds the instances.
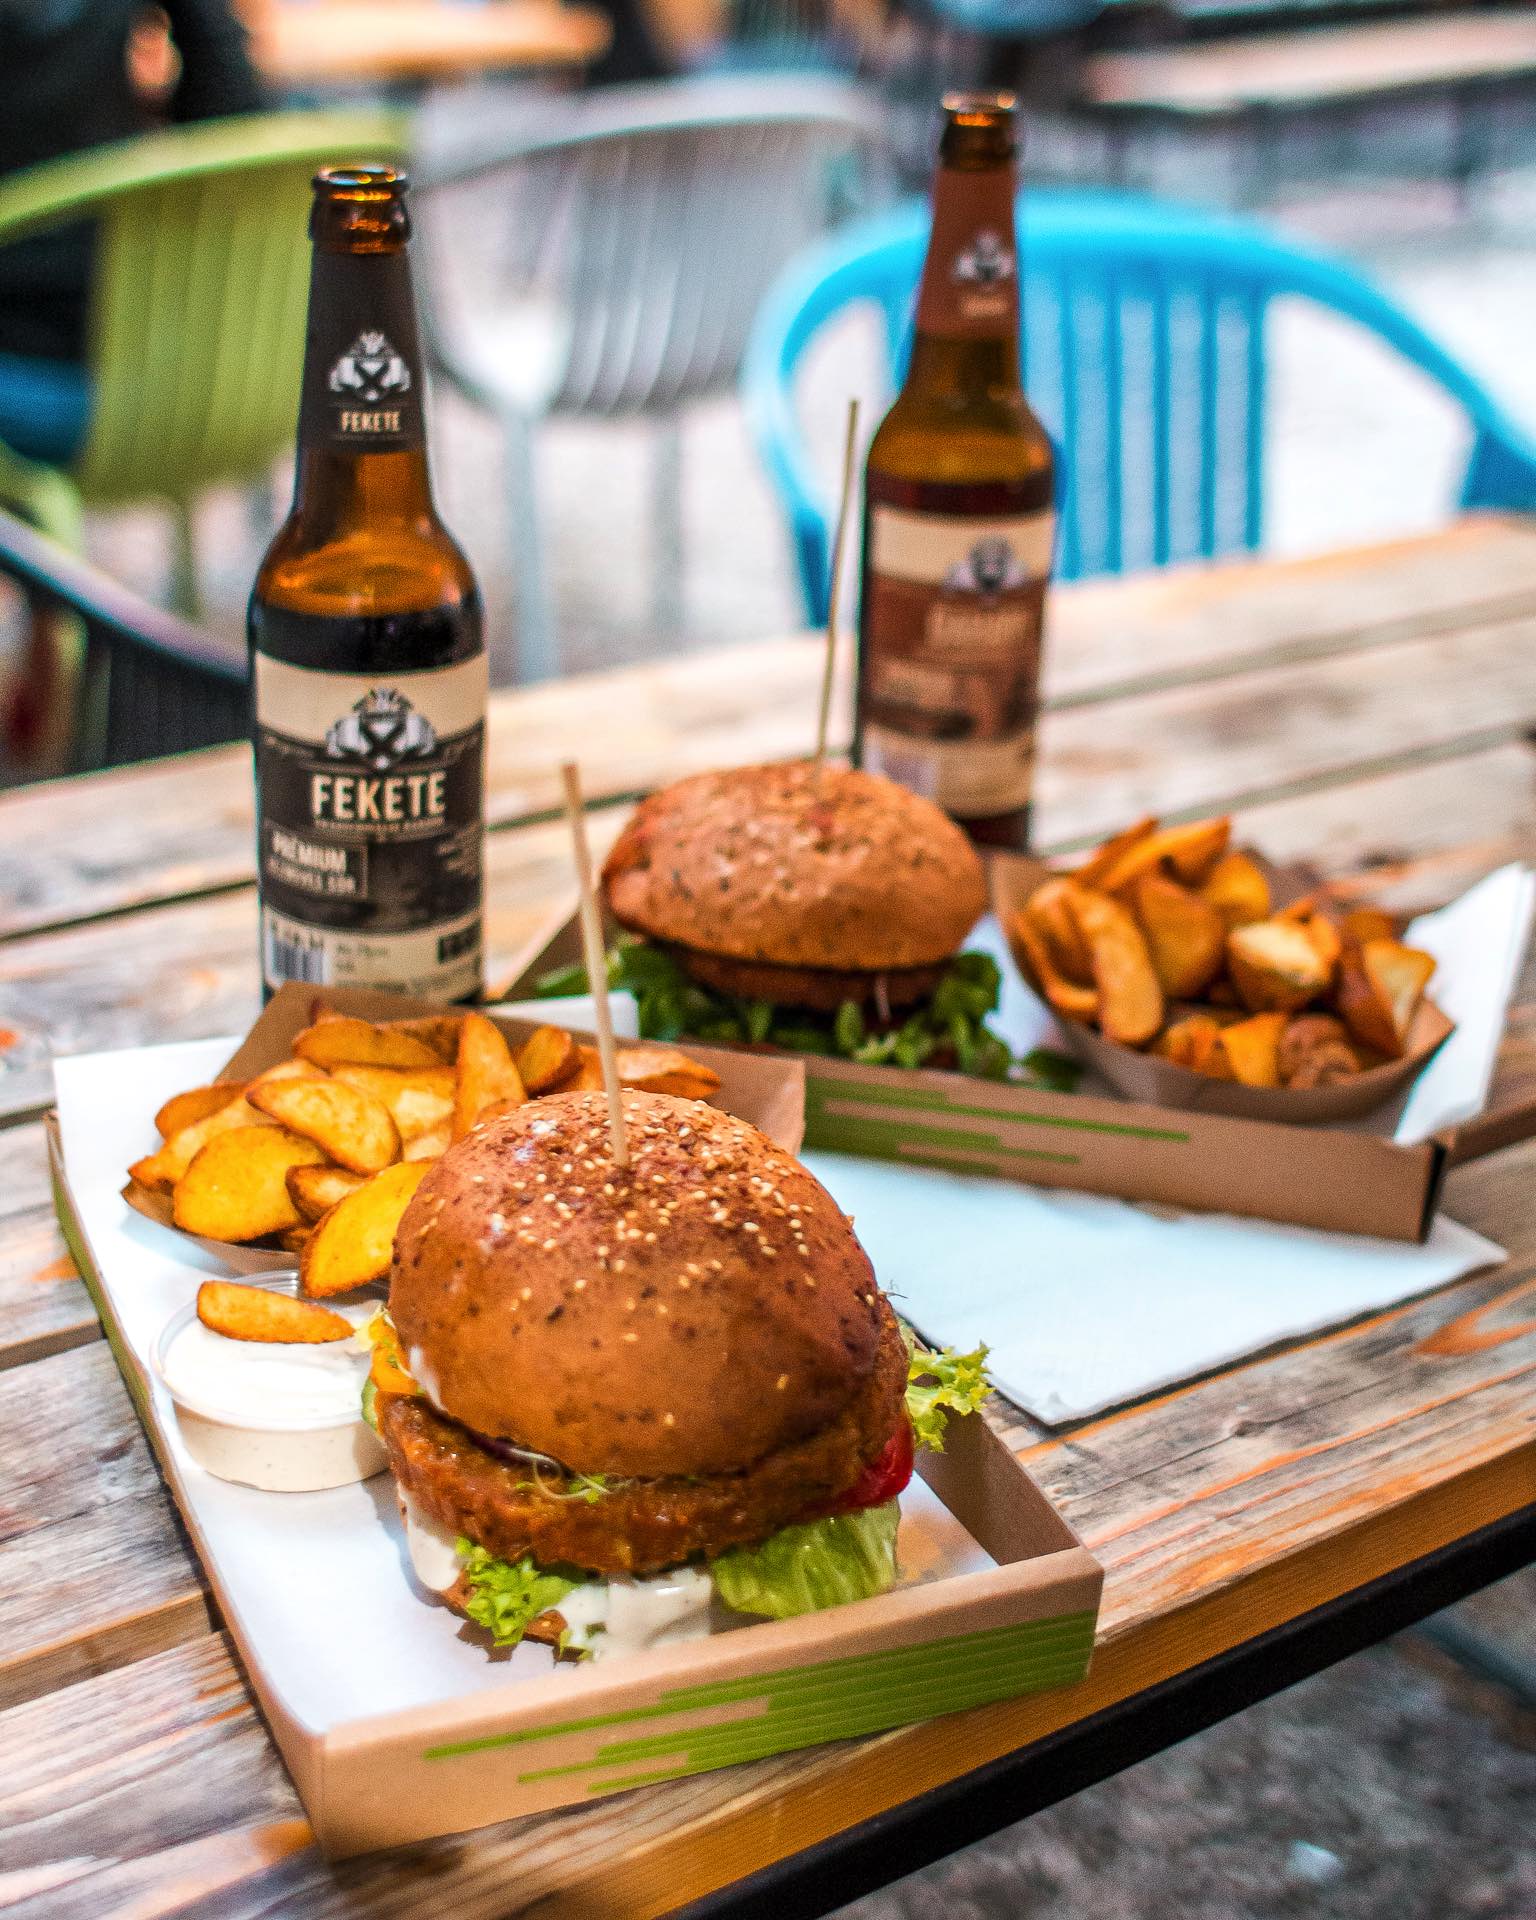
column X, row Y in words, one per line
column 821, row 1563
column 939, row 1384
column 507, row 1596
column 949, row 1029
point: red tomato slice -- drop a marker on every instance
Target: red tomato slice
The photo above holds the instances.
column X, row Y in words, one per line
column 883, row 1478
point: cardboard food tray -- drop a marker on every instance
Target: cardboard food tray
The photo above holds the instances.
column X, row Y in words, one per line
column 1145, row 1077
column 402, row 1725
column 1338, row 1179
column 768, row 1092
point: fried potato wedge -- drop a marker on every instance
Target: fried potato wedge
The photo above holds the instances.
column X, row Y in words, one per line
column 418, row 1098
column 352, row 1245
column 339, row 1040
column 487, row 1073
column 1185, row 935
column 353, row 1128
column 1238, row 889
column 197, row 1103
column 547, row 1057
column 439, row 1031
column 1251, row 1049
column 1380, row 986
column 1099, row 862
column 1069, row 998
column 1326, row 938
column 431, row 1145
column 161, row 1169
column 1275, row 967
column 1190, row 851
column 257, row 1313
column 315, row 1190
column 1048, row 909
column 1315, row 1051
column 237, row 1185
column 1193, row 1041
column 1130, row 997
column 1368, row 923
column 289, row 1070
column 665, row 1070
column 588, row 1077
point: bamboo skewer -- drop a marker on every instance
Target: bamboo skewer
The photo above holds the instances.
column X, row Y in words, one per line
column 597, row 961
column 839, row 546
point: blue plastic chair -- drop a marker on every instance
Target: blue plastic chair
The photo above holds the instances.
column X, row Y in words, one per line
column 1145, row 357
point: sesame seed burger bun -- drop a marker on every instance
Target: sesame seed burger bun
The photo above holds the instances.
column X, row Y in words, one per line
column 784, row 866
column 688, row 1315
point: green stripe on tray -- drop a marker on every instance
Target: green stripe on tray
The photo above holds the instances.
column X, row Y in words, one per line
column 819, row 1092
column 827, row 1699
column 897, row 1139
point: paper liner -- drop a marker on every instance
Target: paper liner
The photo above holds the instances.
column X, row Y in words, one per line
column 1145, row 1077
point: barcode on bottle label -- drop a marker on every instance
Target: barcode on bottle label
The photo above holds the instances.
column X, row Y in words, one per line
column 294, row 953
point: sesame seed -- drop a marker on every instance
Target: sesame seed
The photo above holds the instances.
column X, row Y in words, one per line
column 631, row 1337
column 577, row 1285
column 669, row 1419
column 782, row 1382
column 527, row 1293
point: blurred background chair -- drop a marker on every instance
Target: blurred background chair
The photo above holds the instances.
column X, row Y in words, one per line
column 195, row 328
column 1144, row 330
column 629, row 248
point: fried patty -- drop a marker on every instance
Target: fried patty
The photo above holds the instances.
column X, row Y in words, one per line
column 638, row 1526
column 822, row 989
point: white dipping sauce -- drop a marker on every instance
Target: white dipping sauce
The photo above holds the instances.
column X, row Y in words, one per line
column 263, row 1383
column 433, row 1548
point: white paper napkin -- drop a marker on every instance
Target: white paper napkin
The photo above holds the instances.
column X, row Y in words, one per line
column 1086, row 1302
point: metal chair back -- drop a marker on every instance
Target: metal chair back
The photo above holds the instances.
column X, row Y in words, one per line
column 1144, row 348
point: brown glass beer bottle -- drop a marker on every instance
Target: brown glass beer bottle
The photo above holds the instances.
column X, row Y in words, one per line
column 368, row 666
column 958, row 520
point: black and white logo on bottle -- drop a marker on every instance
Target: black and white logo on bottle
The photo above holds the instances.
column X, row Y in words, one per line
column 380, row 731
column 986, row 262
column 991, row 566
column 370, row 371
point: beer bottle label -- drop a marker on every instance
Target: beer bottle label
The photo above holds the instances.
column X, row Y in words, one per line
column 953, row 606
column 970, row 284
column 362, row 359
column 370, row 795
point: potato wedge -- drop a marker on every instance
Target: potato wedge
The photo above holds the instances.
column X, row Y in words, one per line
column 1368, row 923
column 315, row 1190
column 1130, row 997
column 1099, row 862
column 1315, row 1051
column 354, row 1129
column 257, row 1313
column 1274, row 966
column 487, row 1073
column 1185, row 935
column 1251, row 1049
column 431, row 1145
column 418, row 1098
column 197, row 1103
column 665, row 1070
column 1047, row 907
column 1067, row 997
column 439, row 1031
column 237, row 1185
column 1380, row 986
column 1238, row 889
column 161, row 1169
column 1191, row 851
column 353, row 1244
column 289, row 1070
column 545, row 1058
column 339, row 1040
column 1326, row 938
column 1192, row 1041
column 588, row 1077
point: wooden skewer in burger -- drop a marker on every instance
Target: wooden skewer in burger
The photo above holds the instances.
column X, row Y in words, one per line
column 619, row 1398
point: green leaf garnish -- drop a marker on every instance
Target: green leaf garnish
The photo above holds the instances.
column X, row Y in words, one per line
column 820, row 1563
column 939, row 1384
column 507, row 1596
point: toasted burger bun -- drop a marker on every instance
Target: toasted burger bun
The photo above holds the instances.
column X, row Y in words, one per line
column 687, row 1315
column 832, row 870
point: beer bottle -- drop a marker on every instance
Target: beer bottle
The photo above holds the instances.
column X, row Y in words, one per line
column 958, row 521
column 368, row 667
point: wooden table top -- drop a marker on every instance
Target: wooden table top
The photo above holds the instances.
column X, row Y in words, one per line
column 1372, row 707
column 318, row 43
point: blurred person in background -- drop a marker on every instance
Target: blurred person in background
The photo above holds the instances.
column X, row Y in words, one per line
column 77, row 74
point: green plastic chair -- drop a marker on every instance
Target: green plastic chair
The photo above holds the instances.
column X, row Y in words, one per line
column 196, row 320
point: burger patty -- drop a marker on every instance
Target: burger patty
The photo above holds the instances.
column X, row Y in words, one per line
column 638, row 1526
column 822, row 989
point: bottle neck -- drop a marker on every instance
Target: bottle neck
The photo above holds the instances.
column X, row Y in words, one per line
column 362, row 450
column 967, row 323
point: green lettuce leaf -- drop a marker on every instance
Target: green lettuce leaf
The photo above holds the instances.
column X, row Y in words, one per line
column 507, row 1596
column 821, row 1563
column 939, row 1384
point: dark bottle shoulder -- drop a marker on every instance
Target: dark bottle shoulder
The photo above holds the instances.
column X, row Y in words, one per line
column 411, row 640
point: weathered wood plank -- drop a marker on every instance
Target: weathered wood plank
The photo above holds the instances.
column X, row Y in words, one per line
column 1219, row 1511
column 43, row 1305
column 79, row 848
